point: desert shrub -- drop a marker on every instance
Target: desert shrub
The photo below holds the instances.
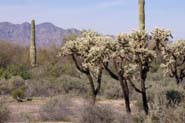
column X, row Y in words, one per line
column 4, row 112
column 51, row 86
column 97, row 114
column 167, row 96
column 124, row 118
column 39, row 72
column 113, row 92
column 173, row 97
column 17, row 87
column 15, row 82
column 55, row 70
column 48, row 54
column 73, row 85
column 43, row 87
column 167, row 115
column 138, row 118
column 139, row 105
column 56, row 109
column 110, row 88
column 12, row 53
column 156, row 76
column 3, row 87
column 15, row 70
column 69, row 69
column 18, row 94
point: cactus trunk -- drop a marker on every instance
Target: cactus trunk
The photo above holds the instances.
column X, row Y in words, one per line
column 33, row 45
column 142, row 14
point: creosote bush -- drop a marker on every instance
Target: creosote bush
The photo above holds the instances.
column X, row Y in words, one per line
column 56, row 109
column 15, row 70
column 12, row 53
column 12, row 84
column 97, row 114
column 112, row 91
column 18, row 94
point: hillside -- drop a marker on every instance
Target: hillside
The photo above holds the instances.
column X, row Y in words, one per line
column 46, row 33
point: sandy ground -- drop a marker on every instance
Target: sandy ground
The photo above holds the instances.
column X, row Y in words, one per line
column 26, row 111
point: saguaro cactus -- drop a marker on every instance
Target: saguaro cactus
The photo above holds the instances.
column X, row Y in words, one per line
column 33, row 45
column 141, row 14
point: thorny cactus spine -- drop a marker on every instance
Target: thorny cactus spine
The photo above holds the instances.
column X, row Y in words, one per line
column 33, row 45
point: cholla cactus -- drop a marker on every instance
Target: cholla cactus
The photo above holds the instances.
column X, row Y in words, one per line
column 139, row 42
column 139, row 39
column 160, row 38
column 174, row 63
column 143, row 58
column 117, row 51
column 33, row 56
column 82, row 53
column 130, row 55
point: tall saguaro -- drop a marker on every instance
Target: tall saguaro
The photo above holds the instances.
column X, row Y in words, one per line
column 33, row 56
column 141, row 14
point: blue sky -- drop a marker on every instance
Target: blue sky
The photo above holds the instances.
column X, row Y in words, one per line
column 106, row 16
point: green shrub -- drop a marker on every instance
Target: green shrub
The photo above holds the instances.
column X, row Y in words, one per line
column 14, row 70
column 18, row 94
column 174, row 97
column 56, row 109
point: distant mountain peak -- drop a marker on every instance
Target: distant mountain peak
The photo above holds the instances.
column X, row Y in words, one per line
column 25, row 23
column 46, row 33
column 46, row 24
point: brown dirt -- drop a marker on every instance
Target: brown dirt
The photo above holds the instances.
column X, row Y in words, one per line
column 26, row 111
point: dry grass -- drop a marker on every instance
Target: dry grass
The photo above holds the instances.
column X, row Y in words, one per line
column 29, row 111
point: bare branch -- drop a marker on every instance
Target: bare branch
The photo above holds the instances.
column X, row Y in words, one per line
column 77, row 65
column 111, row 73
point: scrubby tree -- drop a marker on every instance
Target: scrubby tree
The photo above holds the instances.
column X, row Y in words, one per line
column 79, row 49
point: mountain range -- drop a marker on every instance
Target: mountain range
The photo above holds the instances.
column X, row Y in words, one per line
column 47, row 34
